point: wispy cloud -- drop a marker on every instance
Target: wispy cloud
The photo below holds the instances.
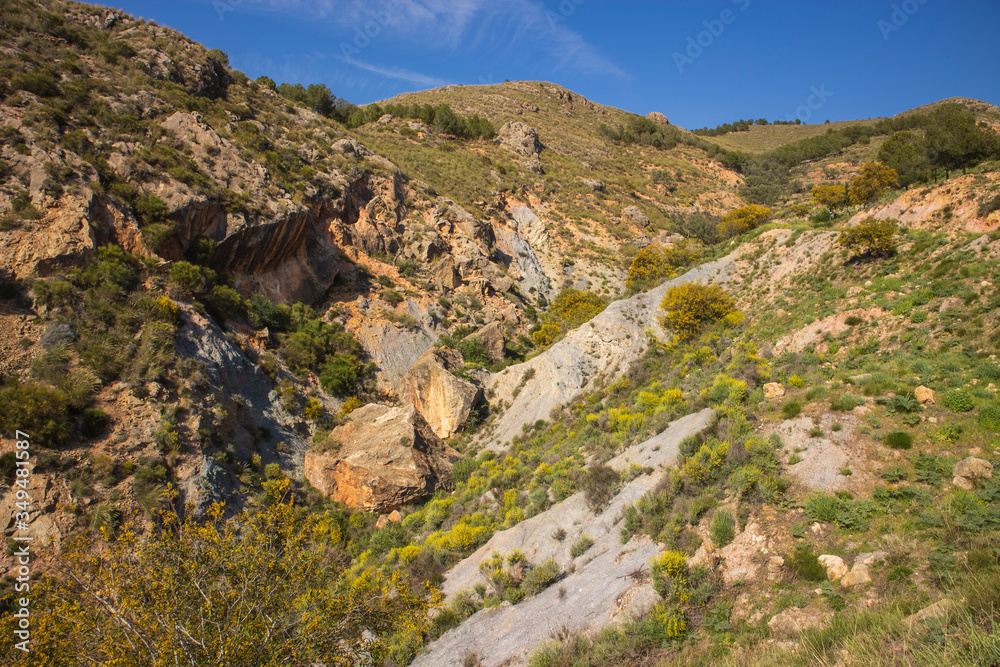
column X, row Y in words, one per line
column 397, row 73
column 461, row 26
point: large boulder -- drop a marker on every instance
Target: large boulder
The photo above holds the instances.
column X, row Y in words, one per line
column 972, row 472
column 520, row 138
column 440, row 397
column 834, row 565
column 858, row 576
column 637, row 216
column 924, row 394
column 774, row 390
column 380, row 460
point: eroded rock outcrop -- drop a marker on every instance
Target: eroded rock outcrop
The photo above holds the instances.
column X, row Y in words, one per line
column 381, row 459
column 443, row 399
column 520, row 138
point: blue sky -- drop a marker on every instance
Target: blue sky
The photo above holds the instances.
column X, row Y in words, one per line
column 699, row 63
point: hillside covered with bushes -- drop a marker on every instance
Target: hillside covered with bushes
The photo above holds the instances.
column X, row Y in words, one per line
column 310, row 382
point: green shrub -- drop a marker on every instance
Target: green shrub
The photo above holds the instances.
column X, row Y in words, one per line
column 392, row 297
column 150, row 208
column 846, row 402
column 931, row 469
column 105, row 518
column 895, row 473
column 35, row 409
column 157, row 235
column 847, row 513
column 723, row 528
column 540, row 577
column 463, row 469
column 581, row 545
column 958, row 400
column 8, row 466
column 989, row 417
column 40, row 83
column 600, row 483
column 191, row 278
column 805, row 563
column 791, row 409
column 899, row 440
column 340, row 374
column 94, row 422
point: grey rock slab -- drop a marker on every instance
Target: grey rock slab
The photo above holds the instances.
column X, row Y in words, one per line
column 596, row 595
column 606, row 345
column 601, row 589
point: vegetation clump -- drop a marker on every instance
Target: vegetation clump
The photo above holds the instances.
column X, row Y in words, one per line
column 690, row 306
column 958, row 400
column 655, row 263
column 870, row 236
column 723, row 528
column 743, row 219
column 267, row 589
column 570, row 309
column 830, row 196
column 898, row 440
column 805, row 562
column 874, row 179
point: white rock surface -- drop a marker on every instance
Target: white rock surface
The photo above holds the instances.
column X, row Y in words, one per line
column 599, row 592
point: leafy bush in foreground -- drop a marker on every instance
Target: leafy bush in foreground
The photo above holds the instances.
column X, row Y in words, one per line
column 265, row 589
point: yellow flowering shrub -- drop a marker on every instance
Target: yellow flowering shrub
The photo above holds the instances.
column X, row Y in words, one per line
column 166, row 307
column 669, row 571
column 654, row 263
column 743, row 219
column 690, row 306
column 671, row 620
column 570, row 309
column 871, row 236
column 255, row 590
column 705, row 464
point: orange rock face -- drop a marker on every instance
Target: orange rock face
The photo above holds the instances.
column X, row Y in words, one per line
column 382, row 459
column 441, row 398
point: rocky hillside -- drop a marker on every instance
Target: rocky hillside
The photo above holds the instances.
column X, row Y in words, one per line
column 434, row 343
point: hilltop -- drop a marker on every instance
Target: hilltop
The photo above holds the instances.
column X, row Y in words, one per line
column 387, row 381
